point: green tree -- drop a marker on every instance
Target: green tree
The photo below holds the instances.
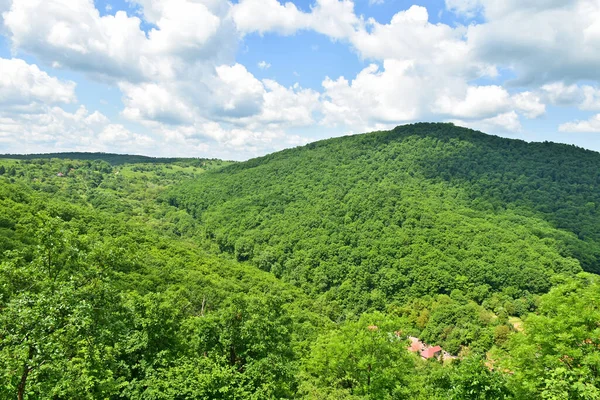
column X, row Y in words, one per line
column 59, row 320
column 469, row 379
column 558, row 354
column 365, row 358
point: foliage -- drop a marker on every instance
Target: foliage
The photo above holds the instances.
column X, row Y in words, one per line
column 303, row 273
column 363, row 359
column 558, row 354
column 364, row 221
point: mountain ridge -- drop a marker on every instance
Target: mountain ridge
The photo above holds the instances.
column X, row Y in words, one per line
column 111, row 158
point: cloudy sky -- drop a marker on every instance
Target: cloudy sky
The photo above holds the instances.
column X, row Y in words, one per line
column 243, row 78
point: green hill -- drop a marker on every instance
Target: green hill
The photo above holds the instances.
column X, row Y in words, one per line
column 305, row 274
column 367, row 220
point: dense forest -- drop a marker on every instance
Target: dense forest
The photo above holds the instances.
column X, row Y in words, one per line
column 307, row 273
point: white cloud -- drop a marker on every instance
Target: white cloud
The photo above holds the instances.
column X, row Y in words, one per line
column 184, row 28
column 231, row 142
column 503, row 123
column 264, row 65
column 479, row 102
column 542, row 41
column 497, row 8
column 268, row 16
column 54, row 129
column 409, row 36
column 560, row 94
column 374, row 98
column 118, row 135
column 32, row 121
column 530, row 104
column 334, row 18
column 590, row 125
column 238, row 92
column 21, row 83
column 72, row 34
column 585, row 97
column 468, row 8
column 285, row 107
column 591, row 98
column 152, row 102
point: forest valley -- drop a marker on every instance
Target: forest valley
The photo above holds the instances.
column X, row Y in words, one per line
column 425, row 262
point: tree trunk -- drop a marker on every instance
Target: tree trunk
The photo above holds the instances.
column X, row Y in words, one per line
column 26, row 370
column 232, row 355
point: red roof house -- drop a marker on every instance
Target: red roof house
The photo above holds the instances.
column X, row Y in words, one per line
column 431, row 352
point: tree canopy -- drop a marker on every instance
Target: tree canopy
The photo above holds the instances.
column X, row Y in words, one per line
column 307, row 273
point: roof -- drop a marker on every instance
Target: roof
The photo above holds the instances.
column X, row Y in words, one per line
column 415, row 345
column 430, row 352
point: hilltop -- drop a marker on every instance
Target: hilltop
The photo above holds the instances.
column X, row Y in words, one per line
column 368, row 220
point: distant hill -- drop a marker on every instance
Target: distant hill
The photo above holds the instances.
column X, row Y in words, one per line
column 113, row 159
column 371, row 219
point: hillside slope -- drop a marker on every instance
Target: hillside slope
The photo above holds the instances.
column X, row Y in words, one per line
column 374, row 219
column 104, row 294
column 109, row 291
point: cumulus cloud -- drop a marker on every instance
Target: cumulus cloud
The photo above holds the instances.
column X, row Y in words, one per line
column 479, row 102
column 21, row 83
column 506, row 123
column 268, row 16
column 542, row 41
column 591, row 98
column 334, row 18
column 231, row 142
column 467, row 8
column 590, row 125
column 410, row 36
column 32, row 120
column 584, row 97
column 529, row 104
column 239, row 93
column 72, row 34
column 153, row 102
column 374, row 98
column 54, row 129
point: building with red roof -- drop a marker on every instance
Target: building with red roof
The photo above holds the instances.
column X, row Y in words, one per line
column 431, row 352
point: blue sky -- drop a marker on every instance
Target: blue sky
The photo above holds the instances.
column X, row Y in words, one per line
column 212, row 78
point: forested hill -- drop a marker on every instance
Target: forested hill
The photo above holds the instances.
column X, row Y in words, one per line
column 113, row 159
column 371, row 219
column 306, row 274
